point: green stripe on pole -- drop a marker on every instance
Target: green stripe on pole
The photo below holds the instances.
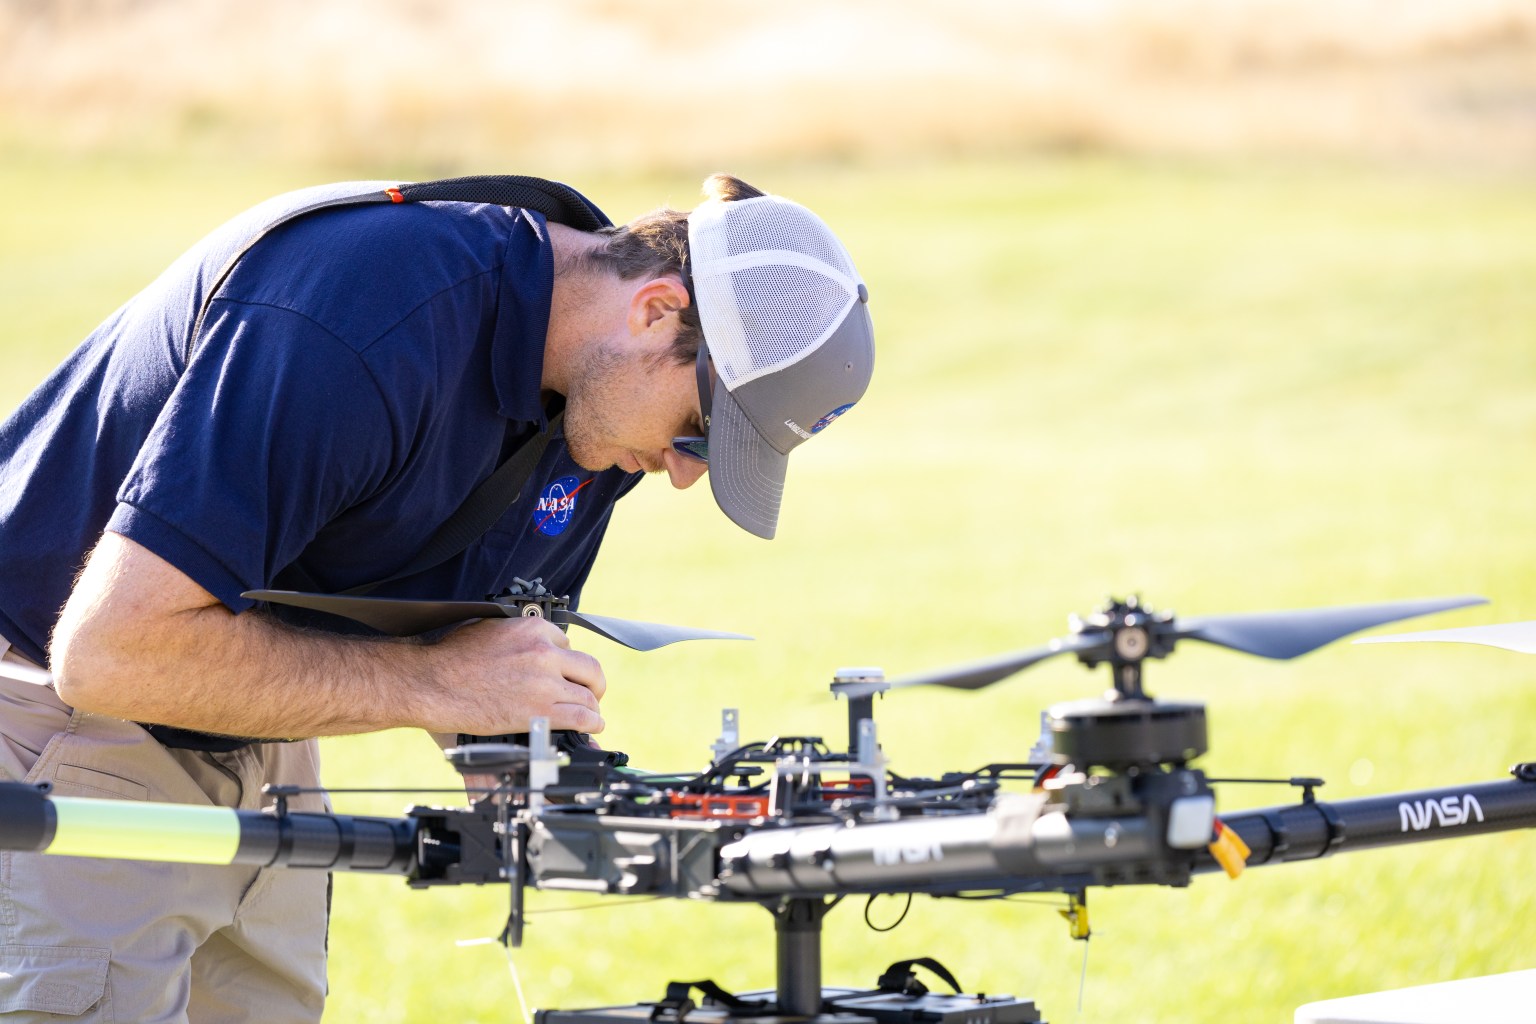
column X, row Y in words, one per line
column 133, row 830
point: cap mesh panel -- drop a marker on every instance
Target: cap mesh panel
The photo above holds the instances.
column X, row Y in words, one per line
column 781, row 313
column 783, row 226
column 759, row 310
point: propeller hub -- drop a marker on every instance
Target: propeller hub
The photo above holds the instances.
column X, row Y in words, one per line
column 1132, row 643
column 531, row 599
column 1131, row 634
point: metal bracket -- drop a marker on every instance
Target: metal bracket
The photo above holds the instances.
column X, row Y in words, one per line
column 730, row 734
column 543, row 762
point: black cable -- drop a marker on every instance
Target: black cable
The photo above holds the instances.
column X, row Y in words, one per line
column 892, row 926
column 719, row 767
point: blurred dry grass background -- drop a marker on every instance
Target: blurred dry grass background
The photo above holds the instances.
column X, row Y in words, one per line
column 677, row 83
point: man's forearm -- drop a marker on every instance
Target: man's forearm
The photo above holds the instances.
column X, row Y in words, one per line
column 139, row 640
column 205, row 668
column 249, row 675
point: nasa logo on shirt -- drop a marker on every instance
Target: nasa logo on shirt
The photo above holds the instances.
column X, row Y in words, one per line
column 556, row 505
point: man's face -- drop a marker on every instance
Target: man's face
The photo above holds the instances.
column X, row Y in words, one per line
column 628, row 404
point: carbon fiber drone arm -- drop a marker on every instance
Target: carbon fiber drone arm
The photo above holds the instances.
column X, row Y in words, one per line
column 1021, row 842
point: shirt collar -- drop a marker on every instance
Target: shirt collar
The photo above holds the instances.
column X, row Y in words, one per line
column 522, row 320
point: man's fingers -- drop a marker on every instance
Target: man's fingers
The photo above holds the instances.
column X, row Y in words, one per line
column 583, row 669
column 576, row 717
column 557, row 635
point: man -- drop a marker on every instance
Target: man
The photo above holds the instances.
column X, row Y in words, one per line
column 307, row 420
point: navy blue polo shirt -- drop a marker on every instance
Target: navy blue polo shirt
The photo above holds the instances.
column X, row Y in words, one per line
column 360, row 372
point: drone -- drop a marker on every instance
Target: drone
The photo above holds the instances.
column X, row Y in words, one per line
column 1109, row 797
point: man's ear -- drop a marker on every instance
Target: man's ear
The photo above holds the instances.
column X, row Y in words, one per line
column 656, row 302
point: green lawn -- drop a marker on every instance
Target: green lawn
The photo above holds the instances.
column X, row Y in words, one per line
column 1226, row 387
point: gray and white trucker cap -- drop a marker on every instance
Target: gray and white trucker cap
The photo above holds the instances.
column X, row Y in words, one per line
column 786, row 320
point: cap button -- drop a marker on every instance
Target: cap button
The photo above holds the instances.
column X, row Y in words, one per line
column 863, row 293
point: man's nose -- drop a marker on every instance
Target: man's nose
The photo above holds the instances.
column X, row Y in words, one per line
column 683, row 471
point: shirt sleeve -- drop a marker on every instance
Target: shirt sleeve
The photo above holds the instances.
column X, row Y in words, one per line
column 275, row 427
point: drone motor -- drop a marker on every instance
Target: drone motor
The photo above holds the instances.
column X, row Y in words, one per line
column 1123, row 734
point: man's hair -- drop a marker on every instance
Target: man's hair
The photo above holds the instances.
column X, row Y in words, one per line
column 656, row 244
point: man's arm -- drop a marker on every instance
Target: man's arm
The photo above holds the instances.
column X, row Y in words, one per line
column 140, row 640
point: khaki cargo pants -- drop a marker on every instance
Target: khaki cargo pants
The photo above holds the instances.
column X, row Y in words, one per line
column 100, row 941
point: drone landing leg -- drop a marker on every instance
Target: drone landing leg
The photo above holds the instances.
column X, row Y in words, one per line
column 797, row 928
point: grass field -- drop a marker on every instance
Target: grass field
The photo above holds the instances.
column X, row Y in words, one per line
column 1224, row 386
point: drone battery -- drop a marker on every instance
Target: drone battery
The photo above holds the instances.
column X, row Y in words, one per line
column 842, row 1006
column 644, row 1013
column 934, row 1008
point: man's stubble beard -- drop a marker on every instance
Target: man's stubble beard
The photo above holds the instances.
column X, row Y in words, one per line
column 589, row 428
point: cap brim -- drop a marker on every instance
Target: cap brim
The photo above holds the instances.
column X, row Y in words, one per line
column 746, row 473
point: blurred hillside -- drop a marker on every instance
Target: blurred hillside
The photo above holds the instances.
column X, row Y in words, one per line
column 671, row 83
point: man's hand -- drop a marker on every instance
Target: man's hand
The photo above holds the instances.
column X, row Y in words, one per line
column 554, row 681
column 140, row 640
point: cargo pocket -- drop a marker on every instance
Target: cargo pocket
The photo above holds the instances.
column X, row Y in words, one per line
column 72, row 780
column 67, row 980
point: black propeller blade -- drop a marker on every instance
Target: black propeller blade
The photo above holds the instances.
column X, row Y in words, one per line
column 1278, row 635
column 395, row 616
column 1519, row 637
column 407, row 617
column 1285, row 635
column 976, row 674
column 641, row 636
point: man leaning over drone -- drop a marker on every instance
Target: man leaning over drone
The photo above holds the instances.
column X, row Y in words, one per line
column 355, row 376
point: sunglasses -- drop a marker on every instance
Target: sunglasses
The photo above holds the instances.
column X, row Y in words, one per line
column 697, row 448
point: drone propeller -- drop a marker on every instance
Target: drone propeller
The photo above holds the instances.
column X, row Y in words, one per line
column 1126, row 633
column 406, row 617
column 1519, row 637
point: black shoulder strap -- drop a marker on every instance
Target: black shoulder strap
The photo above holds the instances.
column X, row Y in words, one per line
column 557, row 202
column 490, row 500
column 485, row 505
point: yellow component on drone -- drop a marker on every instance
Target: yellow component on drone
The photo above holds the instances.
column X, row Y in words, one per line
column 132, row 830
column 1229, row 850
column 1077, row 915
